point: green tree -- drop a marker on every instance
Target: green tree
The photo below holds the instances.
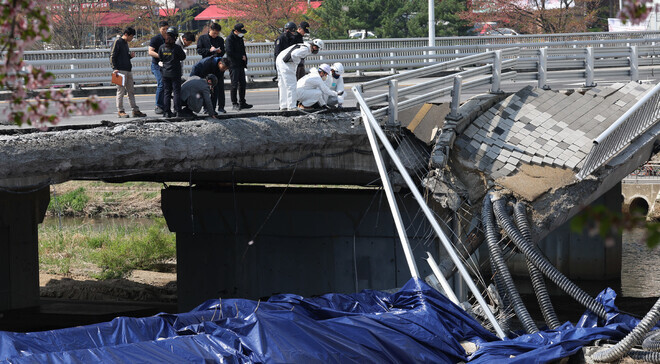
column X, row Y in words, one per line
column 388, row 18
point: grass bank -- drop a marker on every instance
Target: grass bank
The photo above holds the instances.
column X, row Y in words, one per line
column 119, row 228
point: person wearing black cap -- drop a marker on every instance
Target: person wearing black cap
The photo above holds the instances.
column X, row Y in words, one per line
column 286, row 38
column 171, row 55
column 303, row 29
column 235, row 51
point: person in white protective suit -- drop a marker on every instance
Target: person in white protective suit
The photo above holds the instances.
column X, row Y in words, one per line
column 335, row 82
column 312, row 90
column 287, row 62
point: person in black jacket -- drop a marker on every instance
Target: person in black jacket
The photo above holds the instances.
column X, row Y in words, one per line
column 286, row 38
column 303, row 29
column 154, row 44
column 171, row 55
column 120, row 61
column 235, row 47
column 213, row 66
column 211, row 44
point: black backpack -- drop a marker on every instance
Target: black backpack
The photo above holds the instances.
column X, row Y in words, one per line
column 287, row 58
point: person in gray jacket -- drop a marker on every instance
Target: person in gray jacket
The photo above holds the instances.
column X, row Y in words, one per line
column 195, row 93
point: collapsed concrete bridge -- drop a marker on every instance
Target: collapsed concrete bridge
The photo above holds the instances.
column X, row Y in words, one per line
column 231, row 243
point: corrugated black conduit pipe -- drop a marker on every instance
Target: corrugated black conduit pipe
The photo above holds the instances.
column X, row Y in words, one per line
column 538, row 280
column 543, row 264
column 500, row 269
column 617, row 351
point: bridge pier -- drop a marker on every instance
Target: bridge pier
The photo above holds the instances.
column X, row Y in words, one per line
column 314, row 241
column 20, row 215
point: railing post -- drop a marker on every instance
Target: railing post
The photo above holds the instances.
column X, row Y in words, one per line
column 358, row 72
column 456, row 98
column 543, row 69
column 497, row 72
column 74, row 86
column 393, row 102
column 392, row 69
column 589, row 68
column 634, row 64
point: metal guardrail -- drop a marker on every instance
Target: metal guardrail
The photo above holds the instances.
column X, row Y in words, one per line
column 87, row 66
column 487, row 70
column 630, row 125
column 490, row 73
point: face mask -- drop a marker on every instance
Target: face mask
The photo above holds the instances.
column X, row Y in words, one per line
column 241, row 35
column 315, row 50
column 335, row 76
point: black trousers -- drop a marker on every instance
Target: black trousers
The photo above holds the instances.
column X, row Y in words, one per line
column 172, row 90
column 237, row 84
column 218, row 95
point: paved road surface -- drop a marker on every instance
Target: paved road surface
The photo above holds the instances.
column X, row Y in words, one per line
column 266, row 99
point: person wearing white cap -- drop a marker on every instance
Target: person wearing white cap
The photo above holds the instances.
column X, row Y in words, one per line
column 312, row 90
column 335, row 82
column 287, row 62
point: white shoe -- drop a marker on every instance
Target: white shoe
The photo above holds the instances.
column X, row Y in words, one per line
column 292, row 109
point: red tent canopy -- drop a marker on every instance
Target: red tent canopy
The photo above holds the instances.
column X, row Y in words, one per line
column 114, row 19
column 213, row 12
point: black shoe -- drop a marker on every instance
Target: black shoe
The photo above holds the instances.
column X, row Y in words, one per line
column 158, row 110
column 235, row 107
column 169, row 114
column 245, row 106
column 221, row 111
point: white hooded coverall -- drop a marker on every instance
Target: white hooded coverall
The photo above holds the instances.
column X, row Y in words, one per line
column 337, row 85
column 312, row 89
column 286, row 73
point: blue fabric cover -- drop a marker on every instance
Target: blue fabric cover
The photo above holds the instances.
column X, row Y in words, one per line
column 416, row 324
column 551, row 345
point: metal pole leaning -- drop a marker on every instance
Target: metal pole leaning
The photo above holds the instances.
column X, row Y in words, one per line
column 368, row 119
column 394, row 208
column 441, row 278
column 589, row 68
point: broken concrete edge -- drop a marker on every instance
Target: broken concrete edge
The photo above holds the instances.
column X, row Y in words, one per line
column 266, row 146
column 110, row 123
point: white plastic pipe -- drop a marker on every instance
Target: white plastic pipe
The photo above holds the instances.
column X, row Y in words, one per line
column 371, row 124
column 407, row 250
column 441, row 278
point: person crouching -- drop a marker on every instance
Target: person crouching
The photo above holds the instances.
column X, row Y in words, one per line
column 171, row 55
column 312, row 90
column 195, row 93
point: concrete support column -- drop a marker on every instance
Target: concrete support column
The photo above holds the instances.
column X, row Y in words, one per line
column 20, row 215
column 305, row 241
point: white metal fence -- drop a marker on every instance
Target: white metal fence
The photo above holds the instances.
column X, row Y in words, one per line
column 492, row 67
column 87, row 66
column 618, row 136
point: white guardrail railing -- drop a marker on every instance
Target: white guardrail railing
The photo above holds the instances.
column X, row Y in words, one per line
column 562, row 52
column 487, row 69
column 629, row 126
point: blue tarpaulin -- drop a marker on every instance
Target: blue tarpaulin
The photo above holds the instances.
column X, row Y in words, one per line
column 416, row 324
